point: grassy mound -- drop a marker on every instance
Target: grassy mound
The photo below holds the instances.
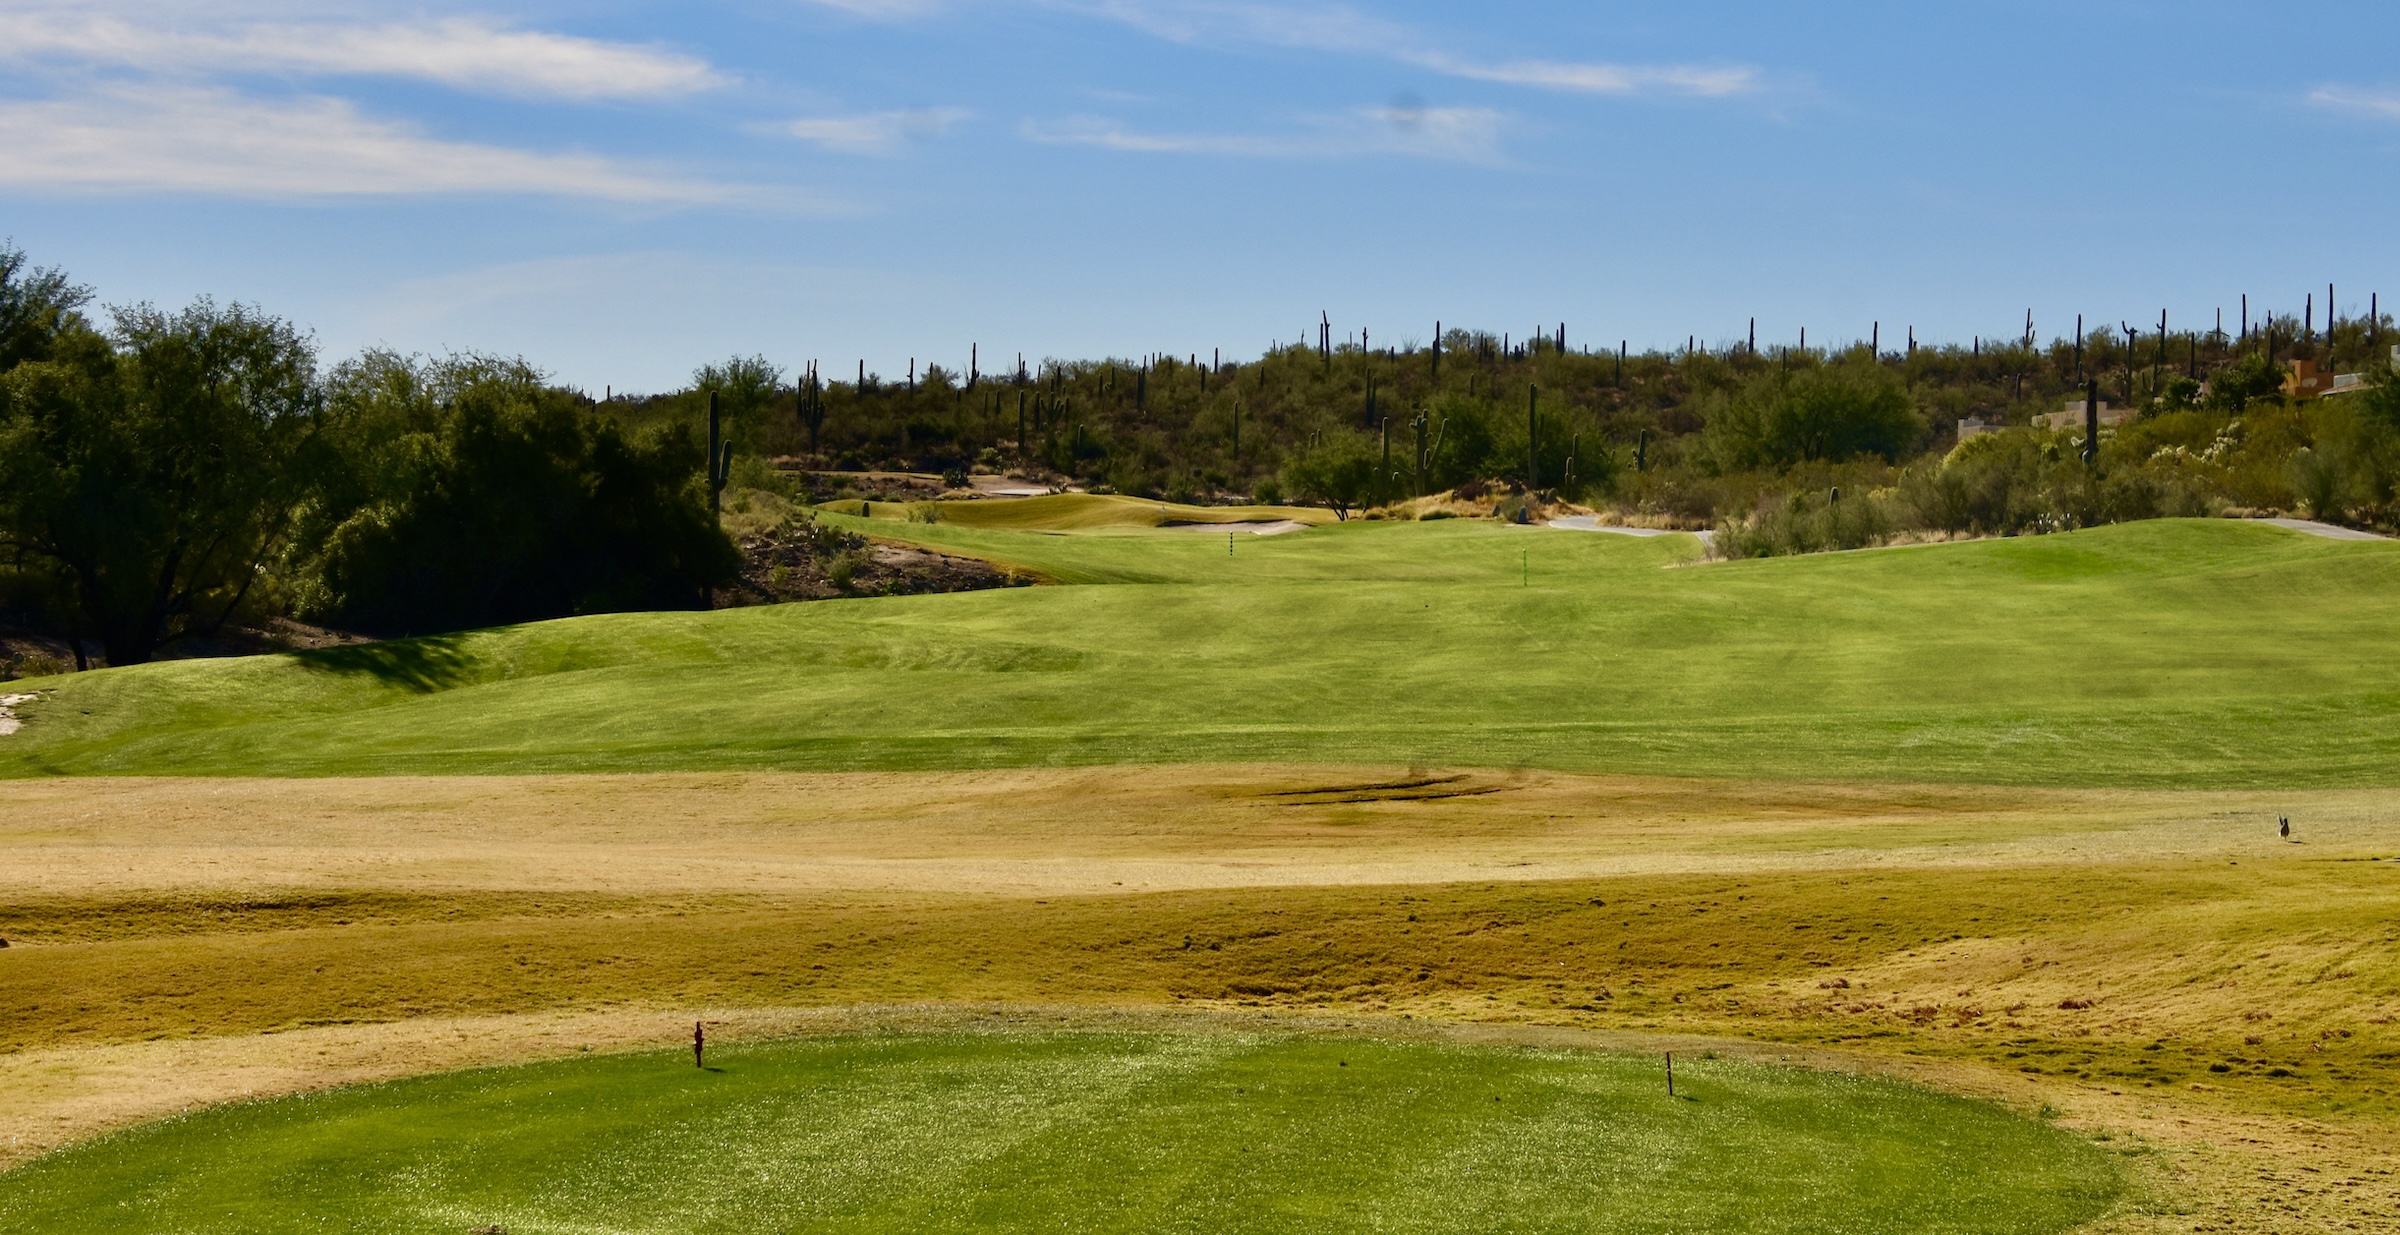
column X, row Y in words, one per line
column 2176, row 653
column 1010, row 1132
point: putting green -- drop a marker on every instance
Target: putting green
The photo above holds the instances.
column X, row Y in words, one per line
column 1082, row 1132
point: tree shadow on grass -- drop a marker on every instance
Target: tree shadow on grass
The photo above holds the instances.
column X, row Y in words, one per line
column 425, row 664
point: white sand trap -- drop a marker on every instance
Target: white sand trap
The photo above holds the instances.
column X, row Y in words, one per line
column 2326, row 530
column 1275, row 527
column 8, row 719
column 1591, row 523
column 1007, row 486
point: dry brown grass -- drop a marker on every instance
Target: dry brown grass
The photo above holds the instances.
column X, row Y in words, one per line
column 2101, row 952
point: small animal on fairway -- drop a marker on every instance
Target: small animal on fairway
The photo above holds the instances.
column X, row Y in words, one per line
column 2283, row 826
column 699, row 1041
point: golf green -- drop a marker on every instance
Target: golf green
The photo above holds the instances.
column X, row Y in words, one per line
column 1074, row 1132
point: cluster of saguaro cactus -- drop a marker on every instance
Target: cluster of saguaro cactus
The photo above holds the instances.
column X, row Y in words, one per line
column 1429, row 444
column 809, row 401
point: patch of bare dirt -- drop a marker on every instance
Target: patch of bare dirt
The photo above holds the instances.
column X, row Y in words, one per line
column 818, row 486
column 807, row 560
column 31, row 656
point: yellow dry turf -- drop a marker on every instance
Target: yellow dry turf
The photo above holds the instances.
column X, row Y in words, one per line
column 2157, row 968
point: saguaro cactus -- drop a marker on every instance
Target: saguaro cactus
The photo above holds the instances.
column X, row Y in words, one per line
column 1533, row 431
column 720, row 458
column 2091, row 422
column 1383, row 470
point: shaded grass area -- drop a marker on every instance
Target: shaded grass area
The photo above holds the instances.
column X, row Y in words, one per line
column 2193, row 653
column 2224, row 987
column 1091, row 1132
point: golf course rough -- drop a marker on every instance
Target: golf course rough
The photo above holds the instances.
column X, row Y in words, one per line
column 1065, row 1131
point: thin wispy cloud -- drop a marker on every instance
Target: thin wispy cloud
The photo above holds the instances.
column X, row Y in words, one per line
column 874, row 132
column 883, row 10
column 2378, row 104
column 217, row 143
column 460, row 52
column 1454, row 134
column 1704, row 82
column 1333, row 27
column 1340, row 28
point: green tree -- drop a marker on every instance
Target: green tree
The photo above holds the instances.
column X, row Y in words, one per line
column 153, row 471
column 744, row 386
column 1337, row 470
column 38, row 308
column 473, row 493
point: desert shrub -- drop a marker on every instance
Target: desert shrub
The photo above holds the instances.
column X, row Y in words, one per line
column 844, row 567
column 1808, row 522
column 1997, row 484
column 2319, row 480
column 2253, row 379
column 1829, row 412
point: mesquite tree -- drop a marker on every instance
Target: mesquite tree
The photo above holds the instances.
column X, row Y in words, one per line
column 155, row 470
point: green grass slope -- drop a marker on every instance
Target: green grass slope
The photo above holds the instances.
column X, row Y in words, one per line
column 1084, row 1133
column 2193, row 653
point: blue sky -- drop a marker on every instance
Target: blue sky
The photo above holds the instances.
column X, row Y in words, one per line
column 623, row 191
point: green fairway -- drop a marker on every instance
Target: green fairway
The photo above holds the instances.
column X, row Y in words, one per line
column 2173, row 653
column 1074, row 1132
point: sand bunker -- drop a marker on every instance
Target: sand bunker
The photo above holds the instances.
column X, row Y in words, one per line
column 1591, row 523
column 2327, row 530
column 1274, row 527
column 8, row 718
